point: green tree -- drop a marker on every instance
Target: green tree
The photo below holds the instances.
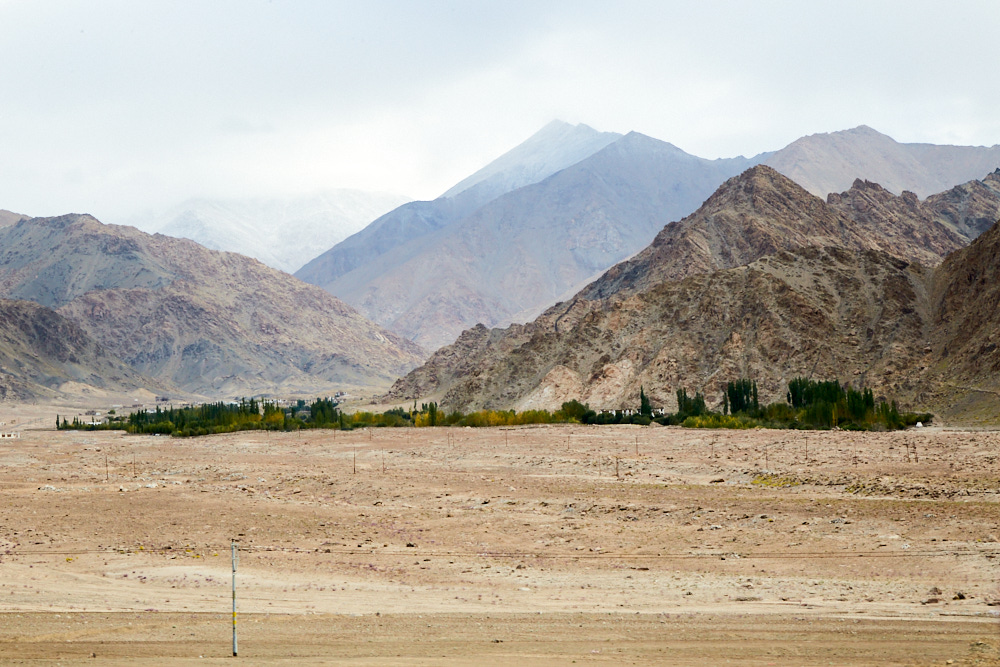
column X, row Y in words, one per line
column 742, row 395
column 645, row 408
column 575, row 410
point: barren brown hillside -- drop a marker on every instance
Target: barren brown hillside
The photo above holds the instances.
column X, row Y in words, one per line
column 859, row 310
column 43, row 353
column 203, row 321
column 772, row 320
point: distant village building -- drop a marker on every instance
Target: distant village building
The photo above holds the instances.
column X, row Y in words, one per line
column 8, row 436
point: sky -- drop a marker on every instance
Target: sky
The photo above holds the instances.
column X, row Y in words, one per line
column 117, row 107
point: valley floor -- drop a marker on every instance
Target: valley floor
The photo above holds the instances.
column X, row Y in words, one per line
column 531, row 545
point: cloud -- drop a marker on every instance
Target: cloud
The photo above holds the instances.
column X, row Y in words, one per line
column 119, row 106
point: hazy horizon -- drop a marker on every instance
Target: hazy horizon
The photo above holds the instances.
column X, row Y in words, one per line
column 115, row 108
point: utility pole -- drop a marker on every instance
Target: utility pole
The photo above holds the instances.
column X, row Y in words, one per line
column 235, row 560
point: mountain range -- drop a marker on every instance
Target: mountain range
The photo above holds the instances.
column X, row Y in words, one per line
column 201, row 321
column 428, row 270
column 514, row 255
column 765, row 281
column 605, row 222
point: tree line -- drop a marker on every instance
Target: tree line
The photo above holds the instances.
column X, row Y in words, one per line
column 809, row 404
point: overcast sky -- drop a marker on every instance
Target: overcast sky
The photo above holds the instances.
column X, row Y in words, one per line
column 115, row 107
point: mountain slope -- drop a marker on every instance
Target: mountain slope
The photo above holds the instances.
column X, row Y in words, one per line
column 764, row 281
column 207, row 322
column 42, row 353
column 966, row 299
column 825, row 163
column 554, row 147
column 520, row 252
column 282, row 233
column 771, row 320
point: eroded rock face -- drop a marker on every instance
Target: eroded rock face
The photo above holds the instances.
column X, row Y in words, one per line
column 815, row 289
column 203, row 321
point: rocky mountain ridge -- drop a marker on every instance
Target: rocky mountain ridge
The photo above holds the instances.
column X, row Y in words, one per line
column 761, row 212
column 765, row 281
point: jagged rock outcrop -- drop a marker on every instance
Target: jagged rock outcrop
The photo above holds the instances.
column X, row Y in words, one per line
column 970, row 208
column 207, row 322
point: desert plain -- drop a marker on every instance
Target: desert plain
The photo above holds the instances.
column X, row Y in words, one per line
column 531, row 545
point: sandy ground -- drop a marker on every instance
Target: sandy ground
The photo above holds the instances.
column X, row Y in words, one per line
column 533, row 545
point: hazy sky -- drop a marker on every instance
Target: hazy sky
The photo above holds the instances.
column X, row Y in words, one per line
column 114, row 107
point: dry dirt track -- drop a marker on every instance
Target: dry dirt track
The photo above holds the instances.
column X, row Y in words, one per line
column 536, row 545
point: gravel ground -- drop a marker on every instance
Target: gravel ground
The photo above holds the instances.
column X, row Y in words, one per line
column 534, row 545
